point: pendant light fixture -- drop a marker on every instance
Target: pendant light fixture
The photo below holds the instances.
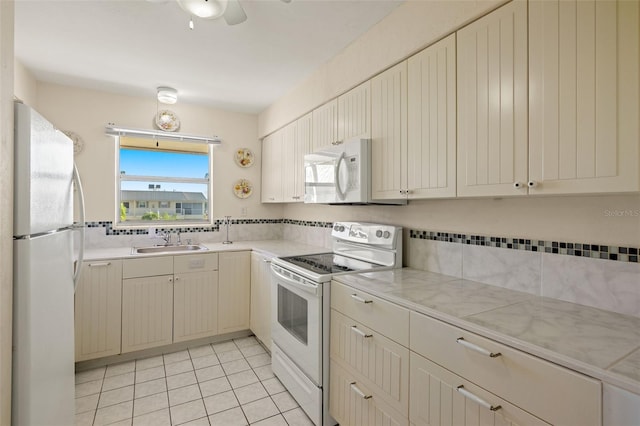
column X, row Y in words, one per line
column 167, row 95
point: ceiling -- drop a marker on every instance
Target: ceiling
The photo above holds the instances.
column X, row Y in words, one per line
column 133, row 46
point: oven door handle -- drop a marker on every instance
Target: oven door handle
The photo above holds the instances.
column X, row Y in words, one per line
column 310, row 288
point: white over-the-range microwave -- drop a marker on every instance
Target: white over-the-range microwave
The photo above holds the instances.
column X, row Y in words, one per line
column 341, row 174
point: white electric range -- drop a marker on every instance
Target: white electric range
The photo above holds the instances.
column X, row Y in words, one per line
column 300, row 294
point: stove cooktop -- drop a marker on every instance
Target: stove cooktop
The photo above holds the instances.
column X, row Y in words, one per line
column 328, row 263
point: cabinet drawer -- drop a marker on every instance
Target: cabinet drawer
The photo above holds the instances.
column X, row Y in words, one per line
column 147, row 267
column 353, row 403
column 436, row 400
column 386, row 318
column 382, row 363
column 195, row 263
column 554, row 393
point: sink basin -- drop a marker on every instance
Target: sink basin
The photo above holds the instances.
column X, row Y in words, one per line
column 167, row 249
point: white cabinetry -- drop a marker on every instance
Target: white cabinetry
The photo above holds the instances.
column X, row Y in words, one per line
column 296, row 143
column 389, row 133
column 260, row 322
column 195, row 296
column 98, row 310
column 346, row 117
column 234, row 287
column 620, row 407
column 492, row 103
column 272, row 168
column 147, row 303
column 369, row 381
column 431, row 141
column 584, row 103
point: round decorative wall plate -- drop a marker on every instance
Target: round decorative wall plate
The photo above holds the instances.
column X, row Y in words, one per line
column 167, row 120
column 244, row 157
column 78, row 143
column 242, row 188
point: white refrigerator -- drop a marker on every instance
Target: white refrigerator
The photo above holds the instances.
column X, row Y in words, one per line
column 44, row 273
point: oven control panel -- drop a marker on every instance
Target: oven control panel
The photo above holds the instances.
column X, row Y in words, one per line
column 366, row 233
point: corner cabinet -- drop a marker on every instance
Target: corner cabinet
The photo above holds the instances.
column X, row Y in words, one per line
column 98, row 310
column 234, row 291
column 260, row 318
column 492, row 103
column 584, row 102
column 272, row 168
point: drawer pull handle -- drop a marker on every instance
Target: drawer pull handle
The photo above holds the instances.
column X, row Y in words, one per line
column 359, row 392
column 477, row 348
column 360, row 299
column 477, row 399
column 360, row 332
column 95, row 265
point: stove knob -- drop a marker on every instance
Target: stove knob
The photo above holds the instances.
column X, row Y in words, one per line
column 341, row 229
column 378, row 233
column 386, row 234
column 335, row 227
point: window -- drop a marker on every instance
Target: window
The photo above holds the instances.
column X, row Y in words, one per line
column 163, row 181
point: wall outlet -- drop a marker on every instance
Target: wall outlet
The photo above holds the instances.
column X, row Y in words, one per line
column 152, row 231
column 243, row 211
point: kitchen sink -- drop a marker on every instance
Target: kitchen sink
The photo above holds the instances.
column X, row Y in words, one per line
column 168, row 249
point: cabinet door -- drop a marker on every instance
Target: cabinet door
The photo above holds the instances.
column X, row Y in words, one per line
column 436, row 401
column 492, row 103
column 289, row 158
column 325, row 125
column 98, row 310
column 195, row 305
column 234, row 287
column 147, row 312
column 352, row 403
column 431, row 144
column 354, row 113
column 389, row 133
column 584, row 105
column 272, row 168
column 261, row 298
column 303, row 147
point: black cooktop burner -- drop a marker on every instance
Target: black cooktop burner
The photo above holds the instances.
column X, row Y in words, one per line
column 323, row 263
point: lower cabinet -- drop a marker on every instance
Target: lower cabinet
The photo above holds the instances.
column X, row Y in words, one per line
column 98, row 310
column 234, row 288
column 260, row 318
column 439, row 397
column 195, row 298
column 147, row 312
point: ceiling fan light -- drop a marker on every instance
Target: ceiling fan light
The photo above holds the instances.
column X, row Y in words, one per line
column 167, row 95
column 206, row 9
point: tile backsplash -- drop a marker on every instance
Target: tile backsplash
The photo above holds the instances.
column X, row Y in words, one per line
column 606, row 277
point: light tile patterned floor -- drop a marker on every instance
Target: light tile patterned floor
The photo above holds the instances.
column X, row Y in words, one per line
column 229, row 383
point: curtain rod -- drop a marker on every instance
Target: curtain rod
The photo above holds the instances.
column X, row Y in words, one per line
column 123, row 131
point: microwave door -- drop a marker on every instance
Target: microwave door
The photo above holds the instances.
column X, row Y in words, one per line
column 341, row 178
column 320, row 185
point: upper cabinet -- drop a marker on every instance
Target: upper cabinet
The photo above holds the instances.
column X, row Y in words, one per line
column 492, row 103
column 272, row 168
column 389, row 133
column 346, row 117
column 583, row 100
column 431, row 142
column 296, row 143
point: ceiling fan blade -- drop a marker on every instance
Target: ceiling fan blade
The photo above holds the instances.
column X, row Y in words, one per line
column 235, row 13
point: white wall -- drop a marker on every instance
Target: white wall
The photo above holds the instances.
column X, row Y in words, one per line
column 606, row 219
column 25, row 84
column 86, row 112
column 409, row 28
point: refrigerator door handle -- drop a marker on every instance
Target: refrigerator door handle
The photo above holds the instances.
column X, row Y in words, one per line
column 78, row 265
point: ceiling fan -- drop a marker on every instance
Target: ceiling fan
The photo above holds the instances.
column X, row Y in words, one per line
column 231, row 10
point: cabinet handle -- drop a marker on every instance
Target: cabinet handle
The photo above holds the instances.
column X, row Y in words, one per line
column 358, row 391
column 99, row 264
column 170, row 280
column 176, row 278
column 266, row 260
column 360, row 332
column 336, row 143
column 517, row 185
column 360, row 299
column 532, row 184
column 477, row 399
column 477, row 348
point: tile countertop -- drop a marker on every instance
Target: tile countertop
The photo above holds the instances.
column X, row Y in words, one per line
column 266, row 247
column 598, row 343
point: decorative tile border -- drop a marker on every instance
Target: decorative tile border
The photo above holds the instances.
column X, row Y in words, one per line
column 315, row 224
column 595, row 251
